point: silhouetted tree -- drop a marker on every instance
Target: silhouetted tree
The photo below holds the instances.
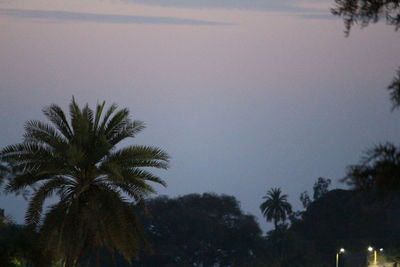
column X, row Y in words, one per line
column 305, row 199
column 200, row 230
column 371, row 11
column 20, row 245
column 379, row 169
column 367, row 11
column 394, row 90
column 321, row 187
column 275, row 207
column 278, row 245
column 342, row 218
column 78, row 161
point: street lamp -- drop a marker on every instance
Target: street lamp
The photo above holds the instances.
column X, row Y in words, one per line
column 381, row 254
column 341, row 250
column 370, row 249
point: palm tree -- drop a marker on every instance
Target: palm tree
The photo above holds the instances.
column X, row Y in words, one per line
column 79, row 162
column 275, row 207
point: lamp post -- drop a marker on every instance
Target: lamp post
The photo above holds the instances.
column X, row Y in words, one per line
column 376, row 254
column 371, row 249
column 337, row 256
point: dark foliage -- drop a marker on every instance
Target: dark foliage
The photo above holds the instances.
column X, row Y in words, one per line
column 4, row 171
column 200, row 230
column 305, row 199
column 211, row 230
column 394, row 90
column 367, row 11
column 21, row 244
column 321, row 187
column 378, row 170
column 343, row 218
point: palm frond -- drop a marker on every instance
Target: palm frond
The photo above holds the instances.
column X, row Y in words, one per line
column 106, row 117
column 129, row 130
column 99, row 111
column 37, row 131
column 56, row 115
column 119, row 121
column 45, row 191
column 140, row 156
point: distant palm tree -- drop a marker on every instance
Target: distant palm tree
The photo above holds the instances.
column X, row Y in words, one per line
column 275, row 207
column 80, row 163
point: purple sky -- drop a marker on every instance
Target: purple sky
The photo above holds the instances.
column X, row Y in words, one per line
column 244, row 95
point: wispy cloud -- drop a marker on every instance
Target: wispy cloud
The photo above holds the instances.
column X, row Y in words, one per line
column 260, row 5
column 64, row 16
column 318, row 16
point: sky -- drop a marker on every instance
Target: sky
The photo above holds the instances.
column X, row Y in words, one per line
column 245, row 95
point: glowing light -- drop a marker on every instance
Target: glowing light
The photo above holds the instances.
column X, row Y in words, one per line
column 381, row 249
column 370, row 249
column 341, row 250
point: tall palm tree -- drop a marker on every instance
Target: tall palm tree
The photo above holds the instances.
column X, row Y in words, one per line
column 275, row 207
column 79, row 162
